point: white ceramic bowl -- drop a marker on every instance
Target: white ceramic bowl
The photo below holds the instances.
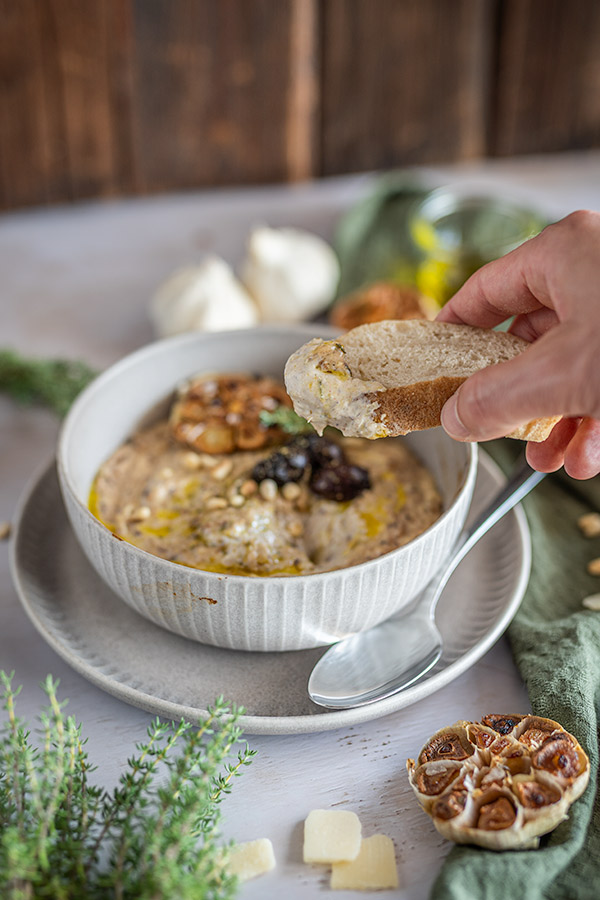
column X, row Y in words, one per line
column 244, row 613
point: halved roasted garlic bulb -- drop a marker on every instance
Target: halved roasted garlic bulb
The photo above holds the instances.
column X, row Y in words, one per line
column 222, row 413
column 501, row 782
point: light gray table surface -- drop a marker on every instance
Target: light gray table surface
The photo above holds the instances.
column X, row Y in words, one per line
column 76, row 282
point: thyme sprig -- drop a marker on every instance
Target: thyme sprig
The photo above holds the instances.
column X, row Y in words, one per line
column 50, row 382
column 286, row 418
column 154, row 836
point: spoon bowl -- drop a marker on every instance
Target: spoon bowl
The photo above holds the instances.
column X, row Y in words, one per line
column 384, row 660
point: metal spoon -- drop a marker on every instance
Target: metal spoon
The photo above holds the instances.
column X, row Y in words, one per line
column 384, row 660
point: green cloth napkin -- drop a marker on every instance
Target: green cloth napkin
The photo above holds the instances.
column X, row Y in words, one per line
column 556, row 646
column 554, row 639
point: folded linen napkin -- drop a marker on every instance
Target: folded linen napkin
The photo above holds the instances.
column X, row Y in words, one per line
column 554, row 639
column 556, row 646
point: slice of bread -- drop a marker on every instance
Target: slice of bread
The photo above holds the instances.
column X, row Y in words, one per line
column 391, row 377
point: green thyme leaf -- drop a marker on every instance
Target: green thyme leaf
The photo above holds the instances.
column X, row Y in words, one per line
column 154, row 836
column 285, row 418
column 50, row 382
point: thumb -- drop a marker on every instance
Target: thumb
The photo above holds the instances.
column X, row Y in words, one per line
column 550, row 378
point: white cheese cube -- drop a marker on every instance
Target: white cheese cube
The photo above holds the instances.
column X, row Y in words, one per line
column 252, row 858
column 373, row 869
column 331, row 835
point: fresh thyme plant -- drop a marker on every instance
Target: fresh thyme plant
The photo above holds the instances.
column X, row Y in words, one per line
column 52, row 382
column 154, row 837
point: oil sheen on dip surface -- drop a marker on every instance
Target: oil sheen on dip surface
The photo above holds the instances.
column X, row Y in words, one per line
column 222, row 486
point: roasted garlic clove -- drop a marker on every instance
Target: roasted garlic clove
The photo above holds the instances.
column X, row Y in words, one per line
column 559, row 756
column 450, row 805
column 449, row 743
column 533, row 794
column 433, row 778
column 514, row 756
column 481, row 736
column 534, row 730
column 222, row 413
column 496, row 814
column 501, row 723
column 499, row 783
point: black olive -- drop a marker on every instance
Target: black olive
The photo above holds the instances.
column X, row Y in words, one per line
column 278, row 466
column 297, row 456
column 320, row 450
column 340, row 482
column 326, row 453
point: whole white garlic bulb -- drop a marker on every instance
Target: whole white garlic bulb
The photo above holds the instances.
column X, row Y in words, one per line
column 291, row 274
column 203, row 297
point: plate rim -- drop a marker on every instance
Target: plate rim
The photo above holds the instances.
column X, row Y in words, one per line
column 270, row 725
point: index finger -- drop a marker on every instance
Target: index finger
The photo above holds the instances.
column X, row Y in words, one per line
column 513, row 285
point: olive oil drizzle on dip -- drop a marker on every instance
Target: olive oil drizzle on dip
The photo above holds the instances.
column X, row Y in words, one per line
column 207, row 511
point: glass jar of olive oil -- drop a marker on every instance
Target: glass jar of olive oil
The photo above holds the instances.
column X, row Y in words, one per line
column 456, row 232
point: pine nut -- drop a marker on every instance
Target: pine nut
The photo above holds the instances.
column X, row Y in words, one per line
column 248, row 488
column 139, row 514
column 590, row 524
column 222, row 470
column 191, row 460
column 592, row 602
column 216, row 503
column 594, row 566
column 291, row 490
column 268, row 489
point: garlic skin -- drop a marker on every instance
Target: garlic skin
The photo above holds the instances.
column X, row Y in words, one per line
column 291, row 274
column 204, row 297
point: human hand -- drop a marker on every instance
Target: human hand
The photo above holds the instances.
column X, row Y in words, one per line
column 551, row 284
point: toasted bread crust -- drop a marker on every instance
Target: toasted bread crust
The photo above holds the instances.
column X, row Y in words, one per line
column 413, row 407
column 419, row 406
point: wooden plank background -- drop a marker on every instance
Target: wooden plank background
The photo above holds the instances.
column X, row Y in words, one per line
column 108, row 97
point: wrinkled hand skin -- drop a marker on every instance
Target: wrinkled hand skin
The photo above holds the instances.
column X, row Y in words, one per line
column 551, row 284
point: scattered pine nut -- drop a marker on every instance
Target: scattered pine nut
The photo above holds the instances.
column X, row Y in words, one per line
column 4, row 531
column 594, row 566
column 590, row 524
column 592, row 602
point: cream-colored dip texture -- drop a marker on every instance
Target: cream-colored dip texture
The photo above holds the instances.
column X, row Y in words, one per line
column 205, row 511
column 323, row 391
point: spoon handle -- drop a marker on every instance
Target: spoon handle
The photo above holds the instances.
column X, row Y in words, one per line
column 518, row 486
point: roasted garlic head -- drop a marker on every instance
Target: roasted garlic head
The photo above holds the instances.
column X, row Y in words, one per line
column 222, row 413
column 501, row 782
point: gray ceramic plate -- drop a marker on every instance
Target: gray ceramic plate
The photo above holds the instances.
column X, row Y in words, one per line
column 148, row 667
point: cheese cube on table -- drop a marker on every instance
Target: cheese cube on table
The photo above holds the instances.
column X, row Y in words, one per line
column 331, row 835
column 373, row 869
column 252, row 858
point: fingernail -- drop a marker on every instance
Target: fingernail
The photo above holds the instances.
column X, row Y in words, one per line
column 451, row 421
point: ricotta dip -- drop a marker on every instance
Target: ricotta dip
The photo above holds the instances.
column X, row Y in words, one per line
column 207, row 511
